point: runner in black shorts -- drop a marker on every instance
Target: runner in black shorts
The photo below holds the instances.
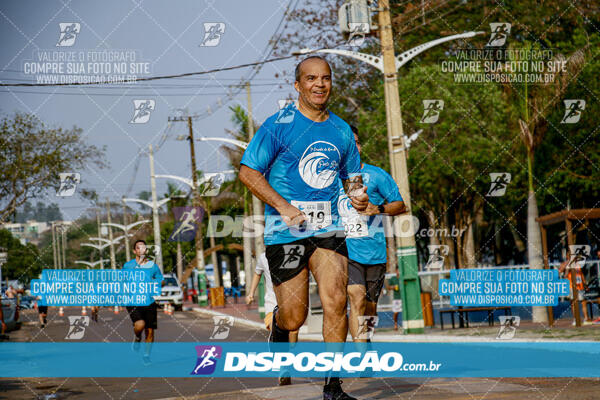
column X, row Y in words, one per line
column 42, row 314
column 144, row 318
column 365, row 238
column 293, row 164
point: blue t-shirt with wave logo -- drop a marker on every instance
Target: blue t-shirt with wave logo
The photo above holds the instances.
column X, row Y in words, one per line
column 303, row 160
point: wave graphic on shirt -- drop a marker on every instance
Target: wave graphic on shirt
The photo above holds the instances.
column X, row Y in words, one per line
column 317, row 169
column 344, row 206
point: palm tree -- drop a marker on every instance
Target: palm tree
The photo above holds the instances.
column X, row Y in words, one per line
column 535, row 103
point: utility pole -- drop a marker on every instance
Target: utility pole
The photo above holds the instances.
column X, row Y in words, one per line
column 412, row 314
column 54, row 252
column 113, row 261
column 155, row 220
column 259, row 245
column 127, row 251
column 202, row 296
column 64, row 246
column 99, row 235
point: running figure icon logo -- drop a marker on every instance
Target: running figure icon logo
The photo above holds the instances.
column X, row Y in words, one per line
column 142, row 110
column 573, row 109
column 287, row 110
column 68, row 33
column 68, row 183
column 212, row 184
column 222, row 325
column 77, row 325
column 358, row 31
column 212, row 34
column 579, row 254
column 508, row 326
column 500, row 181
column 366, row 326
column 292, row 255
column 207, row 359
column 187, row 221
column 500, row 32
column 431, row 111
column 437, row 253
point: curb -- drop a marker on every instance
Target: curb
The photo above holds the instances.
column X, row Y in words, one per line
column 239, row 321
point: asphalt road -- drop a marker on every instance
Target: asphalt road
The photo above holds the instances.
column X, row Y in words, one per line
column 189, row 326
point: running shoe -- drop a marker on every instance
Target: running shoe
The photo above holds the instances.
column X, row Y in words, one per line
column 333, row 391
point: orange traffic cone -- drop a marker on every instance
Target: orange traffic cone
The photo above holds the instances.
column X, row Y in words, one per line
column 61, row 311
column 170, row 309
column 166, row 309
column 83, row 311
column 116, row 309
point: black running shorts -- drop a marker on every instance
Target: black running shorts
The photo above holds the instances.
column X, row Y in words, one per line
column 371, row 276
column 289, row 259
column 148, row 314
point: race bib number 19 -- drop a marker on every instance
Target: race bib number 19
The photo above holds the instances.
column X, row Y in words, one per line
column 318, row 213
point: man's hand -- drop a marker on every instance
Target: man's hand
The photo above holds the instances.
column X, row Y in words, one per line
column 371, row 209
column 3, row 327
column 359, row 198
column 291, row 215
column 249, row 298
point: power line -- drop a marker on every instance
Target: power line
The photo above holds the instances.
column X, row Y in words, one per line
column 150, row 78
column 124, row 95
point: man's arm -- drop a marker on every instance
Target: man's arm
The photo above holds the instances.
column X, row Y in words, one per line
column 258, row 185
column 253, row 286
column 392, row 209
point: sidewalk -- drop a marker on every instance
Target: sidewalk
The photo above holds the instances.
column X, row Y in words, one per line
column 242, row 314
column 527, row 332
column 388, row 388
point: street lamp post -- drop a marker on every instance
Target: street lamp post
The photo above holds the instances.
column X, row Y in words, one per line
column 154, row 205
column 91, row 264
column 202, row 296
column 258, row 239
column 125, row 229
column 388, row 64
column 193, row 186
column 98, row 247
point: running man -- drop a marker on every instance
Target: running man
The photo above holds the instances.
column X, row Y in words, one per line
column 144, row 318
column 262, row 269
column 42, row 314
column 292, row 164
column 365, row 238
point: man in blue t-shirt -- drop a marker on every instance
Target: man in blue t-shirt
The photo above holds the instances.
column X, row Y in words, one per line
column 293, row 164
column 366, row 242
column 144, row 318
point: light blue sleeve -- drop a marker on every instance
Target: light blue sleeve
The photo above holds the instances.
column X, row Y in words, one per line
column 262, row 149
column 351, row 162
column 388, row 188
column 156, row 274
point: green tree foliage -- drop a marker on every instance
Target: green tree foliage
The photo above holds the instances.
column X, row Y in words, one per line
column 23, row 261
column 32, row 156
column 40, row 213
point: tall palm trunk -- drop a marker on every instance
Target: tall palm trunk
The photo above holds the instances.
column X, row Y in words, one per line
column 534, row 240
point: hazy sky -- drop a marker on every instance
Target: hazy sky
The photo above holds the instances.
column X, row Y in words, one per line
column 166, row 35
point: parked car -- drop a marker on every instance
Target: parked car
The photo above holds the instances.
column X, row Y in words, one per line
column 27, row 302
column 171, row 292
